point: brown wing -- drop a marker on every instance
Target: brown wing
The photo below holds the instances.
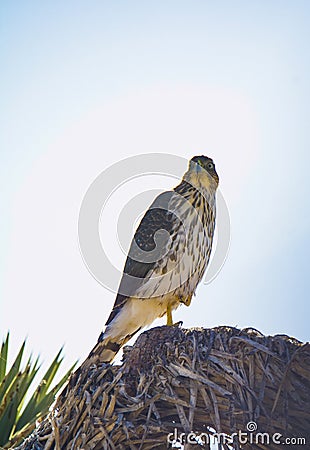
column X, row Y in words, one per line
column 145, row 250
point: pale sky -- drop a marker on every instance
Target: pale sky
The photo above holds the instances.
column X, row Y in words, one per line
column 85, row 85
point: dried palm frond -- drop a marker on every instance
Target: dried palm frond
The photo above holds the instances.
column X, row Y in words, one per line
column 175, row 381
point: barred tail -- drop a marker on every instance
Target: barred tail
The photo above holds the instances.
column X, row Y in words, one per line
column 104, row 351
column 106, row 348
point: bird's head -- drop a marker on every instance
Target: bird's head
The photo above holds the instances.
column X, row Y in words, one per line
column 201, row 173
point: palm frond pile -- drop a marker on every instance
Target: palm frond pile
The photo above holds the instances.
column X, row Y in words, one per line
column 172, row 381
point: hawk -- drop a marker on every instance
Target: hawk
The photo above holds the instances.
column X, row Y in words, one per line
column 167, row 258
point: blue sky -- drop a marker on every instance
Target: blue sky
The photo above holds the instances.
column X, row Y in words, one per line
column 83, row 86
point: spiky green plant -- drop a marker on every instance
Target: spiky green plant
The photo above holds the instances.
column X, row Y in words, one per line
column 17, row 419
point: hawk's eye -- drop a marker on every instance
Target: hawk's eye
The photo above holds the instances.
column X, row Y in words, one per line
column 210, row 165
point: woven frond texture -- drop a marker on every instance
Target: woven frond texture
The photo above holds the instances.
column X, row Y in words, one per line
column 172, row 381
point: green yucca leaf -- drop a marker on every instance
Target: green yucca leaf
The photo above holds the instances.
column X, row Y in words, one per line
column 13, row 388
column 41, row 408
column 50, row 374
column 7, row 380
column 31, row 410
column 48, row 399
column 8, row 419
column 9, row 405
column 4, row 357
column 16, row 420
column 41, row 400
column 30, row 373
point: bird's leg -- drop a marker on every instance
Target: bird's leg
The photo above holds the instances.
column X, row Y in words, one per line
column 169, row 316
